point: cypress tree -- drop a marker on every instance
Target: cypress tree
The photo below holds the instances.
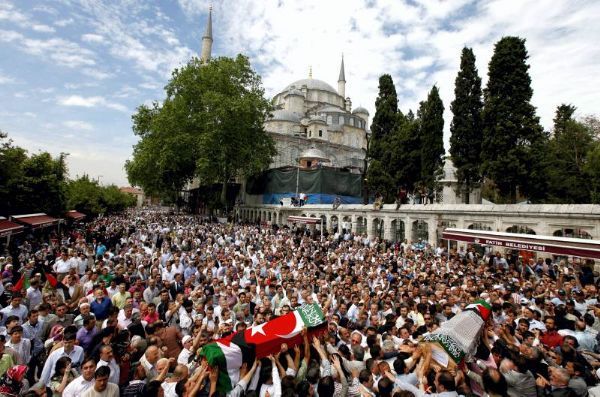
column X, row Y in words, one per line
column 431, row 135
column 510, row 125
column 465, row 129
column 379, row 177
column 406, row 158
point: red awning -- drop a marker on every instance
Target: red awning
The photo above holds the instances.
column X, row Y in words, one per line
column 35, row 221
column 528, row 242
column 7, row 227
column 75, row 215
column 308, row 220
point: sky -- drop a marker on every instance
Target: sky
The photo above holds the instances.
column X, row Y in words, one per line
column 73, row 72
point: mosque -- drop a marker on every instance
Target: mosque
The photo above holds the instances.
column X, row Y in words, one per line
column 313, row 124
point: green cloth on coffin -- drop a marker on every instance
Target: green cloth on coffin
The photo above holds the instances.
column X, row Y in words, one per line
column 459, row 336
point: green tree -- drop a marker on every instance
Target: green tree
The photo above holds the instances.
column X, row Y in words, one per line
column 465, row 129
column 210, row 126
column 510, row 125
column 42, row 188
column 568, row 151
column 87, row 196
column 84, row 195
column 11, row 173
column 592, row 172
column 406, row 152
column 563, row 115
column 115, row 200
column 379, row 174
column 431, row 135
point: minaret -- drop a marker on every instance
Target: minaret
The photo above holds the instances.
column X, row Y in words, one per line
column 342, row 80
column 207, row 39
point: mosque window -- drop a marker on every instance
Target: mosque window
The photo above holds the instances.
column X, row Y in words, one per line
column 320, row 133
column 329, row 119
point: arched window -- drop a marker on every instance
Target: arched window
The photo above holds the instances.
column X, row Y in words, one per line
column 521, row 229
column 320, row 133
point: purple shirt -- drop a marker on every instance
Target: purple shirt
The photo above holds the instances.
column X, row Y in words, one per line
column 85, row 337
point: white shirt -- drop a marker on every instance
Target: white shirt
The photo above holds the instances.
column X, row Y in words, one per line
column 184, row 357
column 115, row 371
column 77, row 387
column 63, row 266
column 76, row 357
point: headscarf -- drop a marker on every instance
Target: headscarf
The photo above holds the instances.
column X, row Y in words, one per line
column 11, row 382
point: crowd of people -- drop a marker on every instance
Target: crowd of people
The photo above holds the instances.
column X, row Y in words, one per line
column 125, row 305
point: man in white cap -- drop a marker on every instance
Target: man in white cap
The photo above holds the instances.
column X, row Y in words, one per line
column 186, row 353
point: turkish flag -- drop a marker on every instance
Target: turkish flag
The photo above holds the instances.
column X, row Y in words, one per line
column 264, row 339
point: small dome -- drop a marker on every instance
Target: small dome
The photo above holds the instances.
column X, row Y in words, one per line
column 360, row 109
column 285, row 115
column 313, row 153
column 312, row 84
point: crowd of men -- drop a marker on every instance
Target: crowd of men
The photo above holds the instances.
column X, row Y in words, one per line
column 124, row 306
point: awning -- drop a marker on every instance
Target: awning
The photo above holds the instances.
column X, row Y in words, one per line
column 307, row 220
column 75, row 215
column 35, row 221
column 528, row 242
column 8, row 228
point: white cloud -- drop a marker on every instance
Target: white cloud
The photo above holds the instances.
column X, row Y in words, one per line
column 64, row 22
column 91, row 102
column 46, row 9
column 9, row 13
column 93, row 38
column 60, row 51
column 5, row 79
column 96, row 74
column 43, row 28
column 150, row 86
column 78, row 125
column 149, row 45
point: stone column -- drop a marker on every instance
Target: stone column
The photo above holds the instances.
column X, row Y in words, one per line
column 354, row 223
column 432, row 231
column 370, row 227
column 387, row 228
column 408, row 229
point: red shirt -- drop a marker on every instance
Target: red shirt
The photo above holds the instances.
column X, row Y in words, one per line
column 551, row 339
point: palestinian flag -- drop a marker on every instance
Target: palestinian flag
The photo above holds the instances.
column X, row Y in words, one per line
column 260, row 341
column 482, row 307
column 22, row 284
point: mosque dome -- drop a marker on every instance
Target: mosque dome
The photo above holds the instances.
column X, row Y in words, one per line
column 312, row 84
column 360, row 109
